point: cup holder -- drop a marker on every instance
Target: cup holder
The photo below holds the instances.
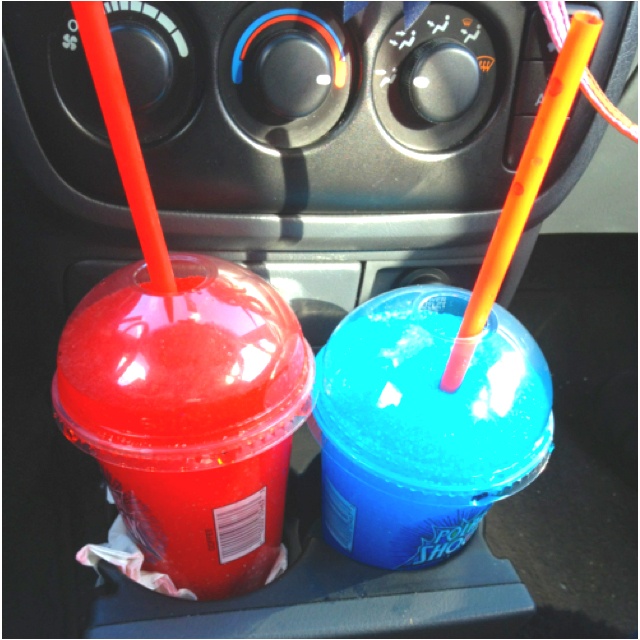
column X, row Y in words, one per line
column 325, row 594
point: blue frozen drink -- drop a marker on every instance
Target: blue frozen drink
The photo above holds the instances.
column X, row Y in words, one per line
column 409, row 470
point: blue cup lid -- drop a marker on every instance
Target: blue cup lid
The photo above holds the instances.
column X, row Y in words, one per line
column 378, row 399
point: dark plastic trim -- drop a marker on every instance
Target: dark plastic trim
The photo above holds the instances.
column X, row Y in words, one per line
column 326, row 595
column 306, row 232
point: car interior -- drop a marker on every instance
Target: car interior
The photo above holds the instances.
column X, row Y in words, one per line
column 300, row 140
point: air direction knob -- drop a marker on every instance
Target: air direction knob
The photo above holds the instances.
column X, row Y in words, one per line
column 294, row 74
column 441, row 80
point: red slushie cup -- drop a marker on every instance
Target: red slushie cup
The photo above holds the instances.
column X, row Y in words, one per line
column 189, row 402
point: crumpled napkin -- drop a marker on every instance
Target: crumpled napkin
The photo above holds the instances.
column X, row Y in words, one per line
column 122, row 552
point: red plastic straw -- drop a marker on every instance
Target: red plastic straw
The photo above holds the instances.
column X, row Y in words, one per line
column 543, row 139
column 105, row 70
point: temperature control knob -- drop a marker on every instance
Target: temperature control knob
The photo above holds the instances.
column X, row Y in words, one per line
column 285, row 72
column 294, row 74
column 441, row 80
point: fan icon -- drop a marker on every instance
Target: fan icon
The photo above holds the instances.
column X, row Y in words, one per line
column 69, row 42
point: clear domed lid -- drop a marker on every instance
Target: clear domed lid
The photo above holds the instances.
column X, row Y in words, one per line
column 202, row 377
column 378, row 399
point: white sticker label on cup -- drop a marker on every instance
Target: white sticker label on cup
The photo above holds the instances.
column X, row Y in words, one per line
column 240, row 527
column 340, row 517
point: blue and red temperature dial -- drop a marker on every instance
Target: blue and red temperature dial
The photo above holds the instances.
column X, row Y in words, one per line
column 322, row 28
column 285, row 74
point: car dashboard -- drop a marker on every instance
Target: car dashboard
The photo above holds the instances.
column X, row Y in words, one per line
column 336, row 178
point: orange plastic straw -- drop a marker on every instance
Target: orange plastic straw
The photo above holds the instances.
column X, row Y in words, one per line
column 105, row 70
column 543, row 139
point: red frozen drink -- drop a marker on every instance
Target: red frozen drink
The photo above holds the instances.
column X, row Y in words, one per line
column 189, row 402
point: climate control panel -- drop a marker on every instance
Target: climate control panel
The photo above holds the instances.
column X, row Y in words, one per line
column 288, row 115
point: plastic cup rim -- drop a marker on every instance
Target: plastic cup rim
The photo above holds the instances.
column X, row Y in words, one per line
column 136, row 456
column 476, row 495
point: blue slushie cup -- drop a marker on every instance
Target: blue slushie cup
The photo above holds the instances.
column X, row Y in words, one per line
column 408, row 470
